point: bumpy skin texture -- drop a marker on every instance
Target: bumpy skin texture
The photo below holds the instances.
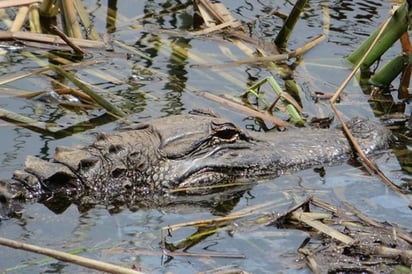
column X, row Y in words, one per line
column 191, row 154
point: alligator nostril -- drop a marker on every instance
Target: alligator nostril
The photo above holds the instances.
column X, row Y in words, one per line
column 115, row 148
column 87, row 163
column 102, row 137
column 117, row 172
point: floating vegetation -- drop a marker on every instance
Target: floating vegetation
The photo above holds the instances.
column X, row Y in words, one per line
column 292, row 106
column 344, row 239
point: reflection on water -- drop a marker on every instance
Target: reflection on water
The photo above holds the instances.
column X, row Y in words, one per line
column 352, row 18
column 162, row 86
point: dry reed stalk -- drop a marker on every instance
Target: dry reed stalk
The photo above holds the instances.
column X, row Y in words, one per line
column 47, row 38
column 34, row 19
column 91, row 33
column 268, row 58
column 99, row 99
column 20, row 18
column 309, row 220
column 66, row 39
column 71, row 24
column 70, row 258
column 48, row 8
column 262, row 115
column 16, row 3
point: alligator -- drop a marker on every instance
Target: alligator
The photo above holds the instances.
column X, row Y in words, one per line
column 180, row 156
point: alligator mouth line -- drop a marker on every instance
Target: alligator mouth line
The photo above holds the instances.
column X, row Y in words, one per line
column 216, row 177
column 207, row 180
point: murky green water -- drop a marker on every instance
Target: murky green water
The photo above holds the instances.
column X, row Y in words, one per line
column 163, row 86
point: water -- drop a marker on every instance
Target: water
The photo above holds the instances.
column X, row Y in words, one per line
column 162, row 86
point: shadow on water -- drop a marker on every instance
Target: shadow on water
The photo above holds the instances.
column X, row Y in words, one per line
column 162, row 85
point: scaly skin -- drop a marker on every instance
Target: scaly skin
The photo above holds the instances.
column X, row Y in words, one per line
column 189, row 154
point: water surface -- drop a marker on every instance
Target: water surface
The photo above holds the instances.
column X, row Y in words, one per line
column 163, row 85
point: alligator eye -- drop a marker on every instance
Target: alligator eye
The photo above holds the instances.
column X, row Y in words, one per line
column 227, row 134
column 226, row 131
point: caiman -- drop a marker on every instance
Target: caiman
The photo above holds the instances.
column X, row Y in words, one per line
column 183, row 154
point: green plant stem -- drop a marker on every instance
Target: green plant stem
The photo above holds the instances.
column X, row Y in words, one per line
column 397, row 26
column 391, row 70
column 287, row 28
